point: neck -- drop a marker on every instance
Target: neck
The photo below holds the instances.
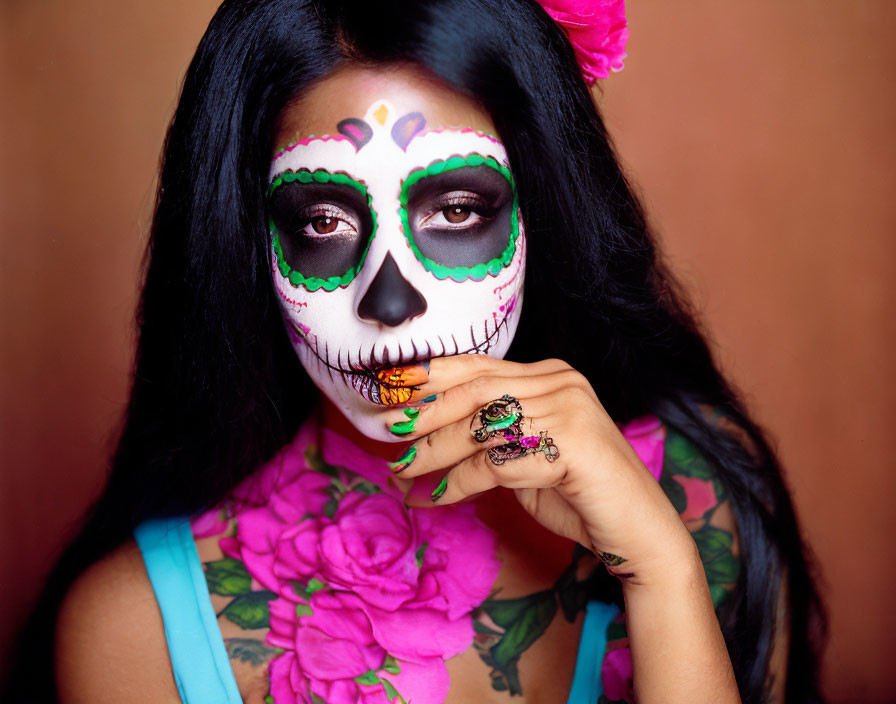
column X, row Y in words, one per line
column 331, row 417
column 498, row 508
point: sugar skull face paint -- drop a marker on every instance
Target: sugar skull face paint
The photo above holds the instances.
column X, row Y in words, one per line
column 395, row 238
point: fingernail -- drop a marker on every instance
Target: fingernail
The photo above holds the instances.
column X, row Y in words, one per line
column 403, row 462
column 429, row 399
column 440, row 489
column 406, row 427
column 403, row 427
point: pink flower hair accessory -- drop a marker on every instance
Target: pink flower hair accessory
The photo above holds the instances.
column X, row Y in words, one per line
column 597, row 30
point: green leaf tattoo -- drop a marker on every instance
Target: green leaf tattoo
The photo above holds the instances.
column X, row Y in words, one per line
column 250, row 650
column 317, row 463
column 366, row 487
column 683, row 459
column 370, row 678
column 524, row 620
column 227, row 577
column 418, row 555
column 719, row 564
column 673, row 490
column 390, row 665
column 250, row 610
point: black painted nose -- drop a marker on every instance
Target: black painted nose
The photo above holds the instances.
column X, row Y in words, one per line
column 391, row 299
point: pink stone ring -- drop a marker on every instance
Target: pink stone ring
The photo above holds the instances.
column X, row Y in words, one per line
column 503, row 418
column 519, row 446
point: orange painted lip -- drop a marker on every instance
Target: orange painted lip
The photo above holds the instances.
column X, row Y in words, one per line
column 390, row 386
column 403, row 376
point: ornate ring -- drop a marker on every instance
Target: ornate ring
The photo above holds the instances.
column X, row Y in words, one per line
column 499, row 417
column 522, row 445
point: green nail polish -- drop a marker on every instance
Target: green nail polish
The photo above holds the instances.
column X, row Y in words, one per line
column 412, row 412
column 403, row 462
column 440, row 489
column 403, row 427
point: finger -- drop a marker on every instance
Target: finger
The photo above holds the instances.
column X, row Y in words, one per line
column 454, row 443
column 479, row 473
column 447, row 372
column 463, row 400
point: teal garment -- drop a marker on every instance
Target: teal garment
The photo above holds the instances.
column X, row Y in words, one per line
column 198, row 657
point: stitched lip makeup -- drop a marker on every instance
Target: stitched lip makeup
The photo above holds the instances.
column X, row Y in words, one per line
column 387, row 387
column 383, row 382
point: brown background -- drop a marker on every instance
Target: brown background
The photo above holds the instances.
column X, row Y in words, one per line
column 760, row 131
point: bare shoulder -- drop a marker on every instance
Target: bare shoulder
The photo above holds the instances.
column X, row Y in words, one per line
column 110, row 641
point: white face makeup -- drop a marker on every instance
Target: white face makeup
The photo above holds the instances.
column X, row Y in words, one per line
column 392, row 243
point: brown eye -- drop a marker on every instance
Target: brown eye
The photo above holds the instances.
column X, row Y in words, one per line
column 456, row 214
column 324, row 225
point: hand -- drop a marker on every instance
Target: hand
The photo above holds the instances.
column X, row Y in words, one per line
column 596, row 492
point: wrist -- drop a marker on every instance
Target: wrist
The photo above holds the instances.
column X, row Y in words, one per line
column 678, row 562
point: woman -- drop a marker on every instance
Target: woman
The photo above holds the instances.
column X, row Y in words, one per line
column 299, row 187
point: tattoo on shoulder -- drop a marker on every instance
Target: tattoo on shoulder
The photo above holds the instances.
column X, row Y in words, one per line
column 506, row 628
column 250, row 650
column 693, row 486
column 248, row 609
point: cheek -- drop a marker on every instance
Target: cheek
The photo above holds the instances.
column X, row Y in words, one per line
column 309, row 315
column 474, row 315
column 508, row 293
column 294, row 311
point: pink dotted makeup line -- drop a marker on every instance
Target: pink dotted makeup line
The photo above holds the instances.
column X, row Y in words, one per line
column 465, row 130
column 510, row 305
column 298, row 304
column 343, row 138
column 519, row 265
column 308, row 140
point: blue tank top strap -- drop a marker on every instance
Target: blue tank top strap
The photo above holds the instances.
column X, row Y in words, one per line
column 587, row 685
column 198, row 656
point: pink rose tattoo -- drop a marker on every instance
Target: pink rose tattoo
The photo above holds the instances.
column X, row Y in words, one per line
column 368, row 598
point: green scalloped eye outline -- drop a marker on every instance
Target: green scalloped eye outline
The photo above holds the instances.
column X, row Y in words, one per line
column 461, row 273
column 296, row 278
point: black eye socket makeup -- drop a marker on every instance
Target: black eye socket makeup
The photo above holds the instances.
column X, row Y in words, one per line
column 459, row 215
column 321, row 225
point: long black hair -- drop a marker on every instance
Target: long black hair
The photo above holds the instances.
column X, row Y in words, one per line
column 217, row 388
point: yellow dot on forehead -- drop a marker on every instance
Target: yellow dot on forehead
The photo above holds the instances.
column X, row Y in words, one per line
column 381, row 113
